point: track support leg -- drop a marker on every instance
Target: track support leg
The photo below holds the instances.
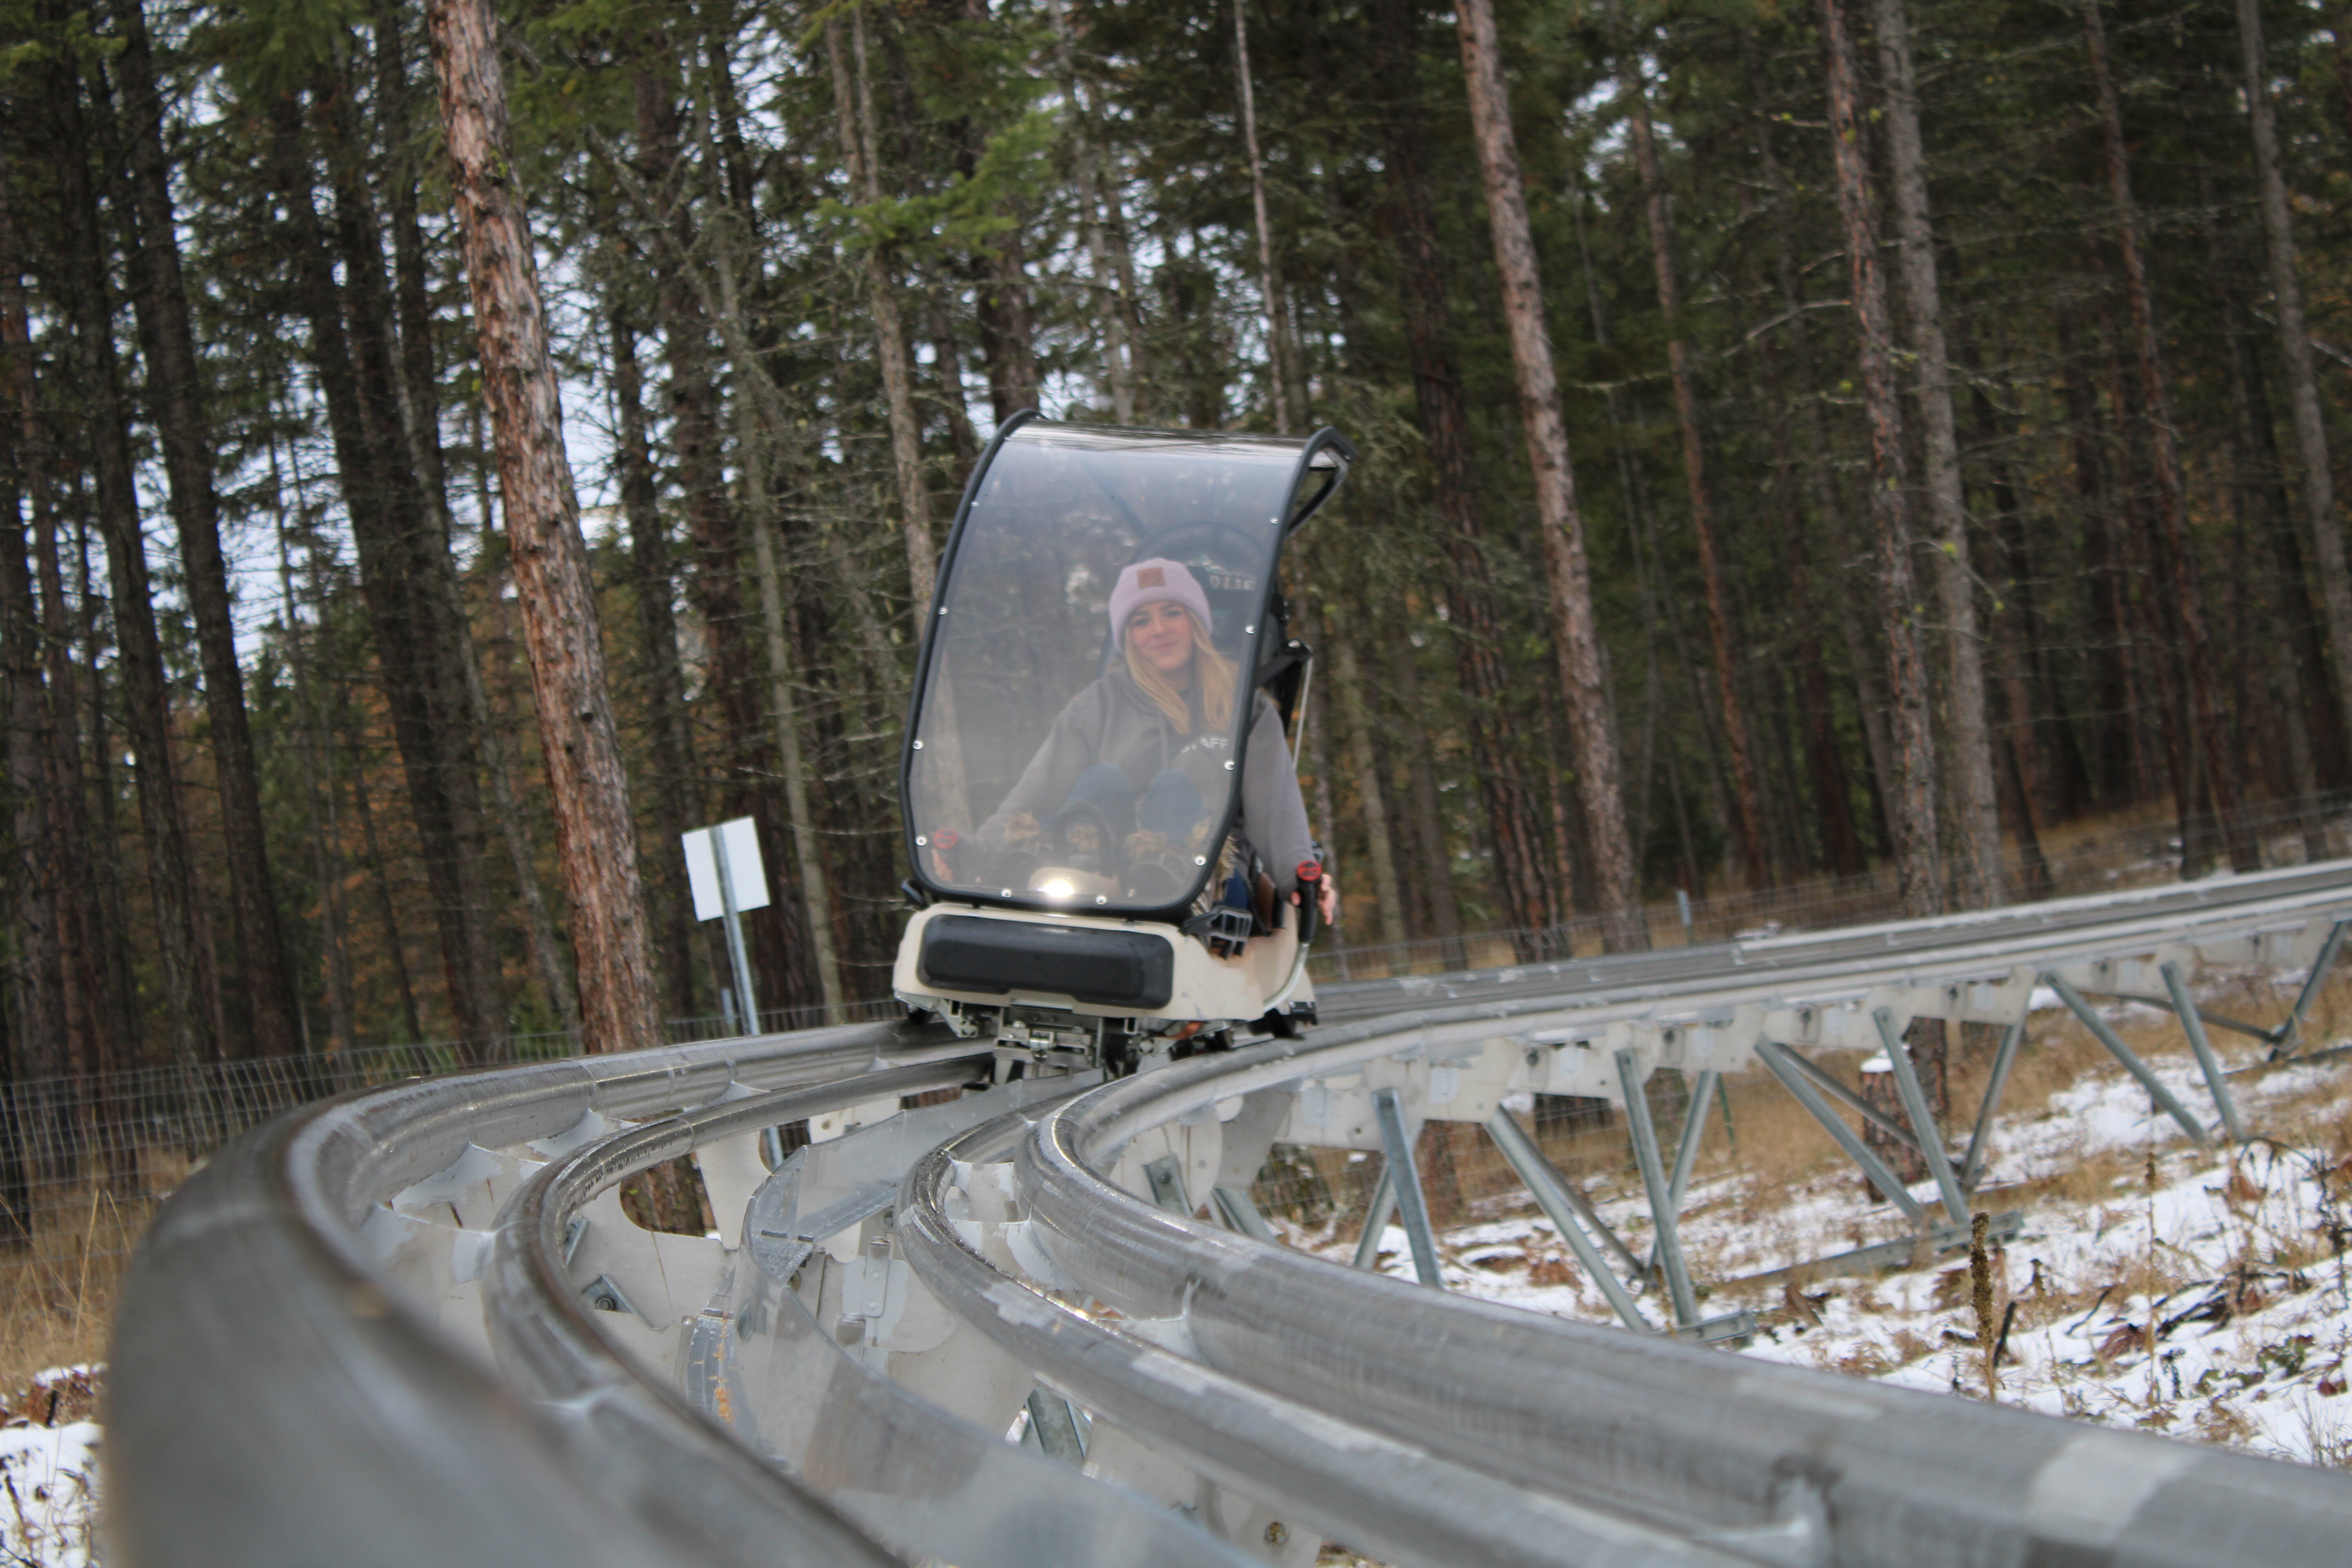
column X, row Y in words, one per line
column 1929, row 1137
column 1375, row 1221
column 1979, row 1142
column 1412, row 1204
column 2123, row 1053
column 1653, row 1180
column 2193, row 1025
column 2289, row 1033
column 1552, row 1196
column 1780, row 1061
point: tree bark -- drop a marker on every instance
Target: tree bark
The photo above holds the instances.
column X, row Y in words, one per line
column 2176, row 560
column 1575, row 636
column 2316, row 480
column 595, row 835
column 1747, row 800
column 1974, row 807
column 1912, row 810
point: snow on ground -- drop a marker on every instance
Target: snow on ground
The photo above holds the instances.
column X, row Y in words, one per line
column 49, row 1471
column 2236, row 1266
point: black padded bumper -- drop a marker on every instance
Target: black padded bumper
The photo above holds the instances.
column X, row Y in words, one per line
column 1102, row 968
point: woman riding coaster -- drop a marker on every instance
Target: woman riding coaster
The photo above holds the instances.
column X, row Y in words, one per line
column 1120, row 784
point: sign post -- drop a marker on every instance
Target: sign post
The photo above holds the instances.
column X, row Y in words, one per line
column 724, row 873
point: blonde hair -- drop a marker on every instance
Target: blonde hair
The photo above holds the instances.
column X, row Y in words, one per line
column 1215, row 676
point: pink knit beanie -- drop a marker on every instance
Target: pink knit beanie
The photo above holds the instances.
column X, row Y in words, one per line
column 1147, row 582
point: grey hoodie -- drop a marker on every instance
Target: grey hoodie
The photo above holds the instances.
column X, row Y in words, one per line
column 1113, row 722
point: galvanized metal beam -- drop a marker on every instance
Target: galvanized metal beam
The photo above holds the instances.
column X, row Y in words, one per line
column 1663, row 1219
column 1404, row 1185
column 2105, row 1036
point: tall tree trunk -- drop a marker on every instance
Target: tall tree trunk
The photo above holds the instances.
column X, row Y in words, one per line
column 406, row 581
column 1347, row 680
column 1278, row 344
column 39, row 1029
column 193, row 995
column 85, row 689
column 99, row 1019
column 1974, row 807
column 1747, row 800
column 665, row 685
column 2259, row 501
column 778, row 953
column 66, row 1018
column 1435, row 867
column 176, row 394
column 2316, row 480
column 2111, row 769
column 595, row 835
column 1912, row 810
column 2178, row 558
column 1443, row 405
column 1107, row 306
column 1841, row 840
column 947, row 355
column 387, row 909
column 853, row 107
column 321, row 810
column 1575, row 636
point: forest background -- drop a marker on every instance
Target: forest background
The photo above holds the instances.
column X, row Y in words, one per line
column 1800, row 443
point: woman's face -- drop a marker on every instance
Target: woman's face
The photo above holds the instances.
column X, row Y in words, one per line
column 1161, row 633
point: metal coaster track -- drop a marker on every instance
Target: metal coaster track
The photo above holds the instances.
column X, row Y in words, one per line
column 413, row 1325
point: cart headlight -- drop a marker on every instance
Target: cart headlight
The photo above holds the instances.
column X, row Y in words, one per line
column 1058, row 887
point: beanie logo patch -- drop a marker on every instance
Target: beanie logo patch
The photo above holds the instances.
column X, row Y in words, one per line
column 1152, row 578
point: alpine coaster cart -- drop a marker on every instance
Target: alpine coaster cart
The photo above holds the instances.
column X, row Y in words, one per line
column 1110, row 931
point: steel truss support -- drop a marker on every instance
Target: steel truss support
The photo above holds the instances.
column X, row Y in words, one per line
column 1980, row 1140
column 2290, row 1032
column 1375, row 1221
column 1851, row 1100
column 2193, row 1025
column 1241, row 1213
column 1928, row 1137
column 1560, row 1204
column 1694, row 1133
column 1404, row 1185
column 1055, row 1425
column 1663, row 1215
column 2123, row 1053
column 1780, row 1061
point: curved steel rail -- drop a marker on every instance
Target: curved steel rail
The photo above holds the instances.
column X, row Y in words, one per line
column 414, row 1322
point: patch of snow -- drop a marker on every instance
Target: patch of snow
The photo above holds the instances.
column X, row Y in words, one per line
column 48, row 1494
column 2236, row 1268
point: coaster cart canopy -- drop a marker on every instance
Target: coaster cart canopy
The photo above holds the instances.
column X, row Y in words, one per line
column 1070, row 931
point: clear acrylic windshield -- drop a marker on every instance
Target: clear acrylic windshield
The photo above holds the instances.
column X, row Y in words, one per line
column 1059, row 759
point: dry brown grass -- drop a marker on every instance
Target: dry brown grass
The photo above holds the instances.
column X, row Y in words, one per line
column 57, row 1291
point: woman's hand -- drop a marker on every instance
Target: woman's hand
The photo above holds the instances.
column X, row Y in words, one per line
column 1327, row 898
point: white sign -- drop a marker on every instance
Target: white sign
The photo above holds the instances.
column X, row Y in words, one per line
column 740, row 841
